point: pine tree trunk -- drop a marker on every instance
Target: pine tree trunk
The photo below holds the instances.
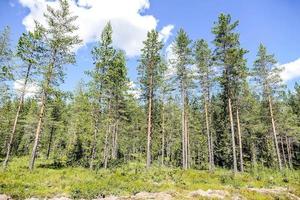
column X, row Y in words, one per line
column 184, row 150
column 42, row 111
column 50, row 142
column 187, row 140
column 283, row 152
column 12, row 135
column 274, row 133
column 240, row 140
column 208, row 136
column 288, row 146
column 232, row 136
column 38, row 132
column 163, row 135
column 149, row 126
column 115, row 146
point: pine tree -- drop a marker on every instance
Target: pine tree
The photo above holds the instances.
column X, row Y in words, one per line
column 60, row 41
column 227, row 49
column 268, row 78
column 182, row 51
column 28, row 51
column 103, row 56
column 149, row 71
column 203, row 61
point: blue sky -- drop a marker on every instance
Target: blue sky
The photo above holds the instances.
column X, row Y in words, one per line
column 276, row 23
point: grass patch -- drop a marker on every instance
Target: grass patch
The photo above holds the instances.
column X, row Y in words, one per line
column 76, row 182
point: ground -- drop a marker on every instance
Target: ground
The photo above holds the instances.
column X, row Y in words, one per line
column 134, row 181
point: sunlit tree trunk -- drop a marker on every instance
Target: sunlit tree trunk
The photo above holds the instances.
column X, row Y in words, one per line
column 232, row 136
column 274, row 133
column 149, row 125
column 240, row 140
column 12, row 135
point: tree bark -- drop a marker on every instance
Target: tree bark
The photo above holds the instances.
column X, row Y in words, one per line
column 163, row 134
column 187, row 140
column 274, row 133
column 42, row 110
column 115, row 141
column 208, row 136
column 232, row 136
column 283, row 152
column 184, row 147
column 38, row 132
column 12, row 135
column 149, row 125
column 240, row 140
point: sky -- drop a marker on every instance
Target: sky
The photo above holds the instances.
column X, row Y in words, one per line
column 275, row 23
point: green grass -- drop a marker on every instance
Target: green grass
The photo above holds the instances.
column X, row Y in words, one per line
column 18, row 182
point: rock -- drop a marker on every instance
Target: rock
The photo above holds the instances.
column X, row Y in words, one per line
column 148, row 195
column 4, row 197
column 218, row 194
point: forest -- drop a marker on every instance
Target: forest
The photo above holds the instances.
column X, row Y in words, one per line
column 203, row 111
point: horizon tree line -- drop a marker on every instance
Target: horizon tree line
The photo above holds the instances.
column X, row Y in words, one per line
column 198, row 109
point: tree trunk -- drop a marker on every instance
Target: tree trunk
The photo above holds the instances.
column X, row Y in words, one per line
column 208, row 136
column 12, row 135
column 50, row 142
column 184, row 150
column 38, row 132
column 163, row 134
column 115, row 141
column 288, row 146
column 232, row 137
column 187, row 140
column 42, row 111
column 274, row 133
column 240, row 140
column 283, row 152
column 149, row 126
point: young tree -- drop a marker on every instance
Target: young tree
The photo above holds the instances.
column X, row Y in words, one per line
column 149, row 71
column 103, row 56
column 268, row 78
column 182, row 63
column 60, row 39
column 80, row 128
column 203, row 61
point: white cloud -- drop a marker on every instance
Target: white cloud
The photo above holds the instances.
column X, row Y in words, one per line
column 166, row 32
column 291, row 70
column 30, row 90
column 170, row 58
column 134, row 90
column 130, row 26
